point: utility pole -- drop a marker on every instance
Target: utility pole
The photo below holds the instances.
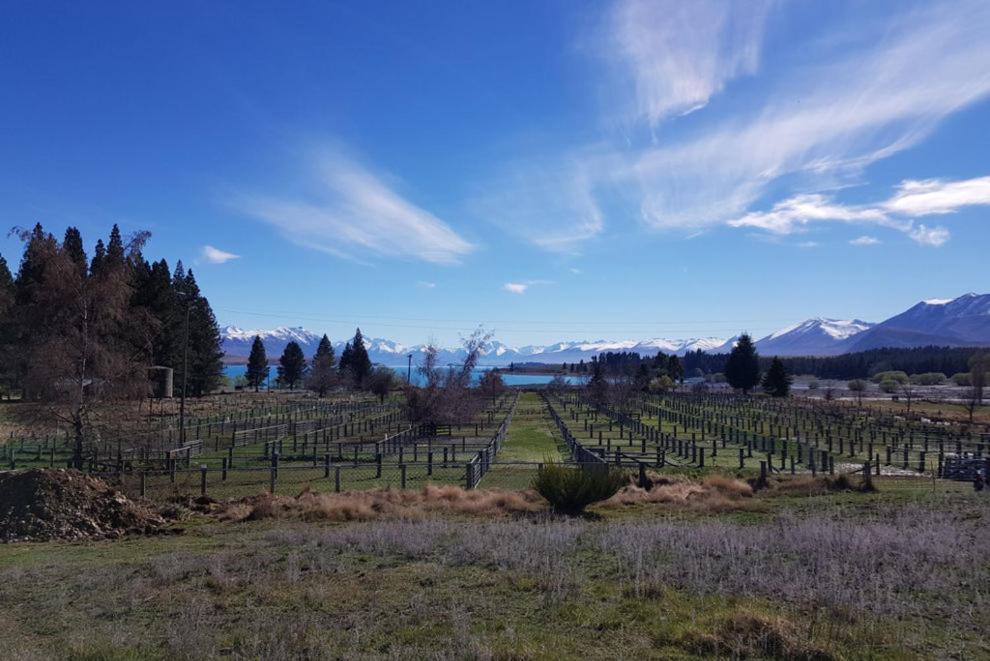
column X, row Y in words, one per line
column 409, row 370
column 185, row 377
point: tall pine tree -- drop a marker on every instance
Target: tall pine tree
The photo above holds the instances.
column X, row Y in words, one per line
column 72, row 244
column 742, row 369
column 360, row 363
column 346, row 358
column 6, row 286
column 292, row 365
column 257, row 367
column 205, row 353
column 323, row 376
column 776, row 382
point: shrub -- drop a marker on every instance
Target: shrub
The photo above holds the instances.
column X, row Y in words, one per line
column 889, row 385
column 928, row 379
column 896, row 376
column 571, row 490
column 963, row 379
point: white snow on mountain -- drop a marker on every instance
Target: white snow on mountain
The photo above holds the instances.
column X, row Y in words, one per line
column 962, row 321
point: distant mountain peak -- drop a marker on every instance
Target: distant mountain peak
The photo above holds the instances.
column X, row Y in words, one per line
column 961, row 321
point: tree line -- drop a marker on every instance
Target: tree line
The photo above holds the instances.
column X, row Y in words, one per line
column 858, row 365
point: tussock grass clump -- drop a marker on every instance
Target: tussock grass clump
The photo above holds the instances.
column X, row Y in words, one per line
column 746, row 634
column 383, row 503
column 570, row 490
column 715, row 493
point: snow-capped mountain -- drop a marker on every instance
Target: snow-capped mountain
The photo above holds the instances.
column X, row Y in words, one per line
column 237, row 341
column 237, row 346
column 962, row 321
column 813, row 337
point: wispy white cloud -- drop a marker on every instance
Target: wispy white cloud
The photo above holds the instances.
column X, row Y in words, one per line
column 788, row 215
column 936, row 196
column 353, row 213
column 873, row 90
column 808, row 244
column 523, row 287
column 549, row 204
column 864, row 240
column 929, row 236
column 913, row 200
column 217, row 256
column 824, row 124
column 677, row 55
column 427, row 285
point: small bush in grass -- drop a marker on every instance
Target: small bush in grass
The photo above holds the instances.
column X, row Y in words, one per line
column 570, row 490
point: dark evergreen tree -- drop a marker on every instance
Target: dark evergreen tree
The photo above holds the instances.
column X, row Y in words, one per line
column 292, row 365
column 674, row 369
column 205, row 356
column 777, row 382
column 38, row 245
column 598, row 385
column 360, row 363
column 115, row 248
column 346, row 358
column 257, row 367
column 154, row 292
column 6, row 286
column 72, row 244
column 99, row 256
column 6, row 327
column 323, row 376
column 742, row 369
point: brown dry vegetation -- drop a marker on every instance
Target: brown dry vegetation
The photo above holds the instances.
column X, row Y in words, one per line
column 715, row 493
column 747, row 634
column 384, row 503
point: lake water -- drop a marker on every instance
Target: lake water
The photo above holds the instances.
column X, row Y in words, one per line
column 509, row 378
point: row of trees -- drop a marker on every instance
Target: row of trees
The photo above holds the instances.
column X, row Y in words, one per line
column 78, row 333
column 323, row 372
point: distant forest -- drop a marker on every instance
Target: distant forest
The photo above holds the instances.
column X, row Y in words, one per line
column 859, row 365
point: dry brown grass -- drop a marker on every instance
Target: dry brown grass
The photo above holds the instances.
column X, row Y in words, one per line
column 715, row 493
column 385, row 503
column 745, row 634
column 814, row 486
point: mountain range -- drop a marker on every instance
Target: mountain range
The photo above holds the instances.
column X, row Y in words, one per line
column 962, row 321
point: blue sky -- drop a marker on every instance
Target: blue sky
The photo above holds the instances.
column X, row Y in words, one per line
column 552, row 170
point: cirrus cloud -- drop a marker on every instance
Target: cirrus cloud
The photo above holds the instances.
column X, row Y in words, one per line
column 352, row 212
column 217, row 256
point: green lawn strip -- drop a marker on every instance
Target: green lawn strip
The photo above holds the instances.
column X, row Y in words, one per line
column 531, row 435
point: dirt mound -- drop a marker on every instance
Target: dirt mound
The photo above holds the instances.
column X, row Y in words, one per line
column 38, row 505
column 385, row 503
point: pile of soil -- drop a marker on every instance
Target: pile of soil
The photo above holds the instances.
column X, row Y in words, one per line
column 39, row 505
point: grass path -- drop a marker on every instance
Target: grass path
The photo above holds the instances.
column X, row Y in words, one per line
column 531, row 436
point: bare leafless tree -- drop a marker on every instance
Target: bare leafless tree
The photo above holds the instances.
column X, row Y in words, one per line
column 446, row 396
column 380, row 382
column 491, row 384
